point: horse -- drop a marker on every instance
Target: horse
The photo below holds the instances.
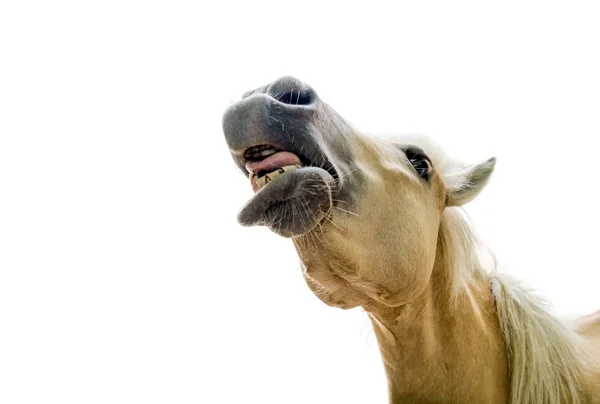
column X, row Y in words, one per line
column 379, row 223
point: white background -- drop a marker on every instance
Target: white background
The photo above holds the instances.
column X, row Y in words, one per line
column 124, row 276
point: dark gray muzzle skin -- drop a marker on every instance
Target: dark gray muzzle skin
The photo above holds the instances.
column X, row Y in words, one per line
column 288, row 115
column 279, row 114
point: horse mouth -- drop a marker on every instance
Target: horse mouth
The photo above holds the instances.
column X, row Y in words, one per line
column 291, row 195
column 265, row 164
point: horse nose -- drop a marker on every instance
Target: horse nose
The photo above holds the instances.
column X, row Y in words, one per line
column 269, row 114
column 292, row 92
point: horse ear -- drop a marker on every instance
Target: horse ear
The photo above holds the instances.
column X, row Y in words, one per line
column 473, row 180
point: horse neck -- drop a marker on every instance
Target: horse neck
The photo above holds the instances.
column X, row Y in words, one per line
column 446, row 346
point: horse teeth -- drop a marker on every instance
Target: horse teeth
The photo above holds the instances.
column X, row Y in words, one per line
column 257, row 152
column 267, row 152
column 265, row 178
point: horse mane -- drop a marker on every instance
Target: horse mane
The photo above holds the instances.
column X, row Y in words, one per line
column 545, row 356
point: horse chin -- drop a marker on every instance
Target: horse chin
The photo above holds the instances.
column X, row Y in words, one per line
column 293, row 204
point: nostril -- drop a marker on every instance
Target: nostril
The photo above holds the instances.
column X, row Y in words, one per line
column 291, row 91
column 295, row 97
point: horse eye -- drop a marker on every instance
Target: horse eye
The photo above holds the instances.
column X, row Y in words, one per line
column 420, row 162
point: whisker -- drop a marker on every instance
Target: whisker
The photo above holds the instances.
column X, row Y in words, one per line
column 346, row 211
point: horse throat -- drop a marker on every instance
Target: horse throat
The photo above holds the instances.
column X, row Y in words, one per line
column 444, row 348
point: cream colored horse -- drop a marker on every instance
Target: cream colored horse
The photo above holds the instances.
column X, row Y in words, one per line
column 378, row 224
